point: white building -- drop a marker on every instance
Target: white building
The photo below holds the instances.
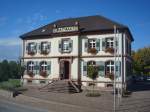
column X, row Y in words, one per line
column 63, row 49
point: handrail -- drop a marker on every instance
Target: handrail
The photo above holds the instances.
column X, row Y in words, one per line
column 77, row 89
column 54, row 80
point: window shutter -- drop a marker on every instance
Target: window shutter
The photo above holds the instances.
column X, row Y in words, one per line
column 70, row 45
column 49, row 46
column 37, row 67
column 25, row 65
column 103, row 44
column 85, row 68
column 86, row 45
column 101, row 68
column 27, row 47
column 60, row 46
column 118, row 68
column 35, row 47
column 34, row 68
column 49, row 67
column 117, row 45
column 98, row 44
column 39, row 48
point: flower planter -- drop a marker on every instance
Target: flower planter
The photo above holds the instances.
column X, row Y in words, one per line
column 30, row 74
column 45, row 52
column 43, row 73
column 31, row 53
column 92, row 51
column 110, row 75
column 110, row 50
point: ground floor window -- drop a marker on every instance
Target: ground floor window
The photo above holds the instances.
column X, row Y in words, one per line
column 30, row 66
column 43, row 66
column 110, row 67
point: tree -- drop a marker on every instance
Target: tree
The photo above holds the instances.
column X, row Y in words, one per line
column 141, row 59
column 4, row 68
column 92, row 72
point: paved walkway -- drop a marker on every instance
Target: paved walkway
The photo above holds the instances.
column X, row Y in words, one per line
column 139, row 101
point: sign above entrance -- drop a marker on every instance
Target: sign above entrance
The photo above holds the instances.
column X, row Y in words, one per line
column 65, row 29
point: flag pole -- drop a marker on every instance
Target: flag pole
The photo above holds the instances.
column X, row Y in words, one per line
column 114, row 68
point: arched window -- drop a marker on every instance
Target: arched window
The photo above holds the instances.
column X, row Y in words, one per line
column 30, row 66
column 110, row 67
column 91, row 63
column 43, row 66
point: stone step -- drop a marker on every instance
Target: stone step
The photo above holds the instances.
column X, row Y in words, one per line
column 61, row 86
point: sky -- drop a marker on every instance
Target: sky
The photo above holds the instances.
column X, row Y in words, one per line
column 20, row 16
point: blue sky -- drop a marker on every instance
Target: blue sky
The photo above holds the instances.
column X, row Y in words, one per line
column 20, row 16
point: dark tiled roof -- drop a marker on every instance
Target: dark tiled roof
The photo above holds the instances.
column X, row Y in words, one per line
column 86, row 24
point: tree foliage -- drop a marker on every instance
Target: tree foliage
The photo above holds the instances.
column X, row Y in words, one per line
column 10, row 70
column 141, row 59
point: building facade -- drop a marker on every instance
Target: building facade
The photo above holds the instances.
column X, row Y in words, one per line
column 65, row 48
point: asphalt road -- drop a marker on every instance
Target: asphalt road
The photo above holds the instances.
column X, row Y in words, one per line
column 7, row 106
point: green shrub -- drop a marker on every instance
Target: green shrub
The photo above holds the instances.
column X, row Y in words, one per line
column 10, row 84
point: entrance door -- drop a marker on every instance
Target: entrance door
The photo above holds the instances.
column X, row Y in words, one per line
column 64, row 69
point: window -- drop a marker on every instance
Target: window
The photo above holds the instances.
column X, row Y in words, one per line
column 31, row 48
column 110, row 67
column 92, row 43
column 30, row 66
column 45, row 48
column 43, row 66
column 109, row 43
column 65, row 45
column 91, row 63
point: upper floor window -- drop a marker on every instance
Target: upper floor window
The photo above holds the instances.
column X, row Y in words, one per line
column 45, row 47
column 31, row 48
column 65, row 46
column 109, row 43
column 92, row 43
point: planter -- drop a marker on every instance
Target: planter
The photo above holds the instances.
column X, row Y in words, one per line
column 92, row 50
column 110, row 75
column 45, row 52
column 30, row 73
column 110, row 50
column 31, row 52
column 43, row 73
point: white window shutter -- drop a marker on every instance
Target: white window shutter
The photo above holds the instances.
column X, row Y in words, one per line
column 85, row 68
column 70, row 45
column 34, row 68
column 27, row 47
column 39, row 48
column 103, row 44
column 118, row 68
column 101, row 68
column 49, row 67
column 60, row 46
column 86, row 45
column 98, row 44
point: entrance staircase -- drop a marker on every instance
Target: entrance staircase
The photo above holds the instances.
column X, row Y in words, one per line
column 61, row 86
